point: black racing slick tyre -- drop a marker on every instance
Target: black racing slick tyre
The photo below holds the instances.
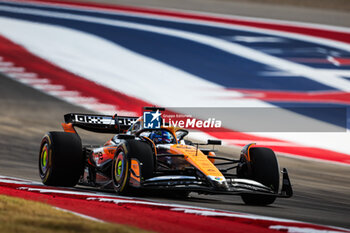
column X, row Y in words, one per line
column 61, row 159
column 264, row 169
column 122, row 160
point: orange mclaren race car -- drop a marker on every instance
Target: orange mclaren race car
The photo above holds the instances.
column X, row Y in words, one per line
column 139, row 158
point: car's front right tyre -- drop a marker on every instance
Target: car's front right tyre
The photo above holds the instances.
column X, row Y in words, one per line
column 265, row 170
column 127, row 150
column 120, row 171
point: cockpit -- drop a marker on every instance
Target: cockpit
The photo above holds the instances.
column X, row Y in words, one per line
column 158, row 136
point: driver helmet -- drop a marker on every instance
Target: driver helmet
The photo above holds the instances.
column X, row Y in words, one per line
column 161, row 136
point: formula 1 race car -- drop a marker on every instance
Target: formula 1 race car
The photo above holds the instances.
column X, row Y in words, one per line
column 139, row 158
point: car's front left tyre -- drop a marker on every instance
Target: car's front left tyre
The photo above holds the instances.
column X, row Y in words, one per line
column 61, row 159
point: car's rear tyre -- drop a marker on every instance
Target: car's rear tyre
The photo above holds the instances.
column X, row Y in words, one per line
column 121, row 164
column 264, row 169
column 61, row 159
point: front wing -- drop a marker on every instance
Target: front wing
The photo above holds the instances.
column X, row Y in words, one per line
column 234, row 186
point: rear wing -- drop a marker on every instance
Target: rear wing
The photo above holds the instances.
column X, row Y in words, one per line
column 99, row 123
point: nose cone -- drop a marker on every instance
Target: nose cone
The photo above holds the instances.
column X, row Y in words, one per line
column 218, row 182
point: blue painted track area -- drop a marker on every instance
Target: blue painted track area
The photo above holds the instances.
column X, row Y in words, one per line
column 230, row 70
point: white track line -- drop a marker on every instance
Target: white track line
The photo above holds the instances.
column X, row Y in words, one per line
column 22, row 75
column 12, row 69
column 236, row 49
column 6, row 64
column 58, row 91
column 80, row 215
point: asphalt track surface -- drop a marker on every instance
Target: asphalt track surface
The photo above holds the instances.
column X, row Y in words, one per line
column 322, row 12
column 321, row 190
